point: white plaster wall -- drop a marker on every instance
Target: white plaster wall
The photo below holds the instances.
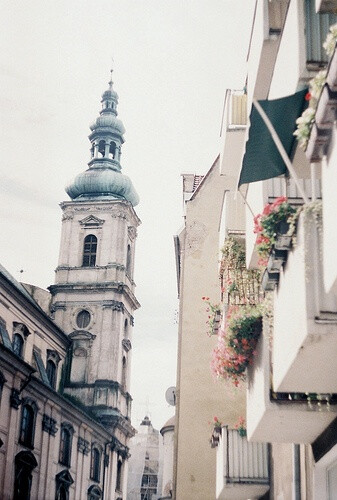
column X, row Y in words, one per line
column 291, row 58
column 329, row 186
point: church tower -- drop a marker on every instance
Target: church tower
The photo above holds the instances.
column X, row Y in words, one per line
column 93, row 295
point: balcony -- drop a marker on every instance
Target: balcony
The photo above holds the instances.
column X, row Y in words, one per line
column 232, row 135
column 317, row 27
column 278, row 419
column 242, row 467
column 305, row 318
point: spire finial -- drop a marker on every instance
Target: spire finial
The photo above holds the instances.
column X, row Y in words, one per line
column 111, row 71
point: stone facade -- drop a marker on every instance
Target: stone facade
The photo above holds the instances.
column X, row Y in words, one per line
column 65, row 354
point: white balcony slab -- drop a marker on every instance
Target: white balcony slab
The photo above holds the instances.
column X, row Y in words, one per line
column 280, row 422
column 305, row 319
column 242, row 467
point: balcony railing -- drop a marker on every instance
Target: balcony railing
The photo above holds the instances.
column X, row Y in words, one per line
column 317, row 27
column 242, row 467
column 237, row 109
column 280, row 187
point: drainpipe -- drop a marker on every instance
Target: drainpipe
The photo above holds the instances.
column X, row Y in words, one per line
column 296, row 472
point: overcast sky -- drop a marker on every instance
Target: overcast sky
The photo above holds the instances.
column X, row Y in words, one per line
column 173, row 60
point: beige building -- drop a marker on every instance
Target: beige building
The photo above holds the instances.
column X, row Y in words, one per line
column 65, row 354
column 199, row 397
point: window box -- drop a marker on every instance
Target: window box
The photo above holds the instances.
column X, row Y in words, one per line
column 276, row 260
column 283, row 241
column 318, row 139
column 269, row 280
column 326, row 108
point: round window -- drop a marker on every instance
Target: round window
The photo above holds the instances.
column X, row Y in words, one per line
column 83, row 319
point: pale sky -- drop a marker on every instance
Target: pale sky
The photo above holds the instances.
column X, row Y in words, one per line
column 173, row 60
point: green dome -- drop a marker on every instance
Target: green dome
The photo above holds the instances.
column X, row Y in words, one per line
column 101, row 183
column 103, row 179
column 110, row 121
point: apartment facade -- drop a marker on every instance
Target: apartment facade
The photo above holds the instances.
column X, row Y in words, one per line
column 291, row 383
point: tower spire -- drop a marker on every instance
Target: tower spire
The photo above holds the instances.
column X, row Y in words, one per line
column 104, row 177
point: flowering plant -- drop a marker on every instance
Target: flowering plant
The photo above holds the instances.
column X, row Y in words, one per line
column 267, row 223
column 216, row 422
column 237, row 343
column 214, row 316
column 240, row 426
column 305, row 121
column 331, row 39
column 304, row 124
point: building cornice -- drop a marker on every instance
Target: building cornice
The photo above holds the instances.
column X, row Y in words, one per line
column 118, row 209
column 116, row 286
column 29, row 306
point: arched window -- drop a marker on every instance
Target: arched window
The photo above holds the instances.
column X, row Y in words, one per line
column 119, row 475
column 128, row 260
column 95, row 464
column 51, row 373
column 18, row 344
column 83, row 319
column 63, row 482
column 124, row 369
column 27, row 427
column 89, row 251
column 94, row 492
column 67, row 432
column 25, row 463
column 101, row 148
column 112, row 150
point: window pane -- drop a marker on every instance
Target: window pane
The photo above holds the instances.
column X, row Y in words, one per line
column 18, row 344
column 83, row 319
column 51, row 373
column 89, row 251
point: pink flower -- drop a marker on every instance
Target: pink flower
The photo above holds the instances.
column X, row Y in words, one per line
column 267, row 209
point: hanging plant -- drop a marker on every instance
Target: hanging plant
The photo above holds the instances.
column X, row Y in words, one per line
column 331, row 39
column 269, row 224
column 214, row 317
column 237, row 343
column 240, row 426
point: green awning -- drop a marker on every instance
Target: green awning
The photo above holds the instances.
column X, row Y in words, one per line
column 262, row 159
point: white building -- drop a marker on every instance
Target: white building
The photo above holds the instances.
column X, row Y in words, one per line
column 145, row 464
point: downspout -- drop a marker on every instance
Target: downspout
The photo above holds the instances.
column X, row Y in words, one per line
column 296, row 472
